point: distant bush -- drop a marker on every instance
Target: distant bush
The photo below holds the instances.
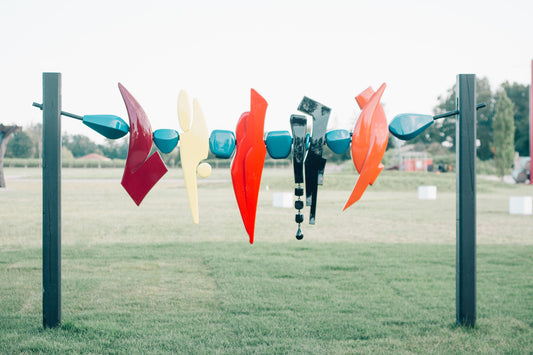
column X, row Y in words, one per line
column 486, row 167
column 269, row 163
column 66, row 163
column 21, row 146
column 218, row 163
column 444, row 159
column 76, row 163
column 22, row 163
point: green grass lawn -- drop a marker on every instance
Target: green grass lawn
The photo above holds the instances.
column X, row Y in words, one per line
column 377, row 278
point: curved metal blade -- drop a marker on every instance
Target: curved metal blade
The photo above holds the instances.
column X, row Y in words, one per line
column 407, row 126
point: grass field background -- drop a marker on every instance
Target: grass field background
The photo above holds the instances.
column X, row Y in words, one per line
column 377, row 278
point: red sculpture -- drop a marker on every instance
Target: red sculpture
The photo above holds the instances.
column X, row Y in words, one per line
column 142, row 171
column 369, row 141
column 247, row 165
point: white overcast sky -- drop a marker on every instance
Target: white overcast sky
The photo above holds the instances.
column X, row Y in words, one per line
column 329, row 50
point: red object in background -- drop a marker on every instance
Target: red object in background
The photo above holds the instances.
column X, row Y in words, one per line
column 142, row 171
column 247, row 165
column 369, row 141
column 417, row 164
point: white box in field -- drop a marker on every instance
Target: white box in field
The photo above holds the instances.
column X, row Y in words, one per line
column 521, row 205
column 427, row 192
column 282, row 199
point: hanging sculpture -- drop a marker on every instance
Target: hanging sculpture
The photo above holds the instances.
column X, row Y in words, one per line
column 194, row 148
column 143, row 170
column 299, row 126
column 314, row 162
column 247, row 165
column 369, row 141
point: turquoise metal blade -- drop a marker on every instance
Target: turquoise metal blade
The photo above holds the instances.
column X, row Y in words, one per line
column 222, row 143
column 166, row 140
column 407, row 126
column 109, row 126
column 278, row 144
column 338, row 140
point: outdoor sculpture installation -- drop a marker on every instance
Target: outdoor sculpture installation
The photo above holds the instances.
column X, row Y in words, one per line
column 143, row 171
column 368, row 141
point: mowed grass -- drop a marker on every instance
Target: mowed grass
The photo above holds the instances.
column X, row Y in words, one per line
column 377, row 278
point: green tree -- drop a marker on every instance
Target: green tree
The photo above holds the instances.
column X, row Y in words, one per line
column 446, row 126
column 519, row 95
column 80, row 145
column 6, row 132
column 66, row 154
column 173, row 158
column 484, row 118
column 115, row 149
column 21, row 146
column 35, row 131
column 503, row 128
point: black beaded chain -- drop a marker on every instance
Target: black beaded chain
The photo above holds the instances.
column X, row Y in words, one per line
column 299, row 205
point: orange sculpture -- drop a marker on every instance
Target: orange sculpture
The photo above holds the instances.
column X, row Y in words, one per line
column 247, row 165
column 369, row 141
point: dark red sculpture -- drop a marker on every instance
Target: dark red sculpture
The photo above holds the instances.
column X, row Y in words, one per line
column 142, row 171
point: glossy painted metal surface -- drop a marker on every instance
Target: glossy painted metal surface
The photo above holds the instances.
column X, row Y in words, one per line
column 299, row 146
column 278, row 144
column 204, row 170
column 369, row 141
column 194, row 147
column 222, row 143
column 109, row 126
column 142, row 170
column 166, row 140
column 314, row 162
column 247, row 164
column 338, row 140
column 407, row 126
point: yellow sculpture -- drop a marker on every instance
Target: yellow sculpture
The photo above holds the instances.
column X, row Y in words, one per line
column 194, row 147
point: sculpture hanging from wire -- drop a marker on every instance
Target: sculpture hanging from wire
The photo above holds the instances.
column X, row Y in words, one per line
column 248, row 146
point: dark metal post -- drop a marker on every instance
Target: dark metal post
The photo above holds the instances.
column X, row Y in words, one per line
column 51, row 200
column 466, row 200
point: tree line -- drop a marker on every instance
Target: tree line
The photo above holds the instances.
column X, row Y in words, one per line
column 443, row 131
column 502, row 126
column 28, row 144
